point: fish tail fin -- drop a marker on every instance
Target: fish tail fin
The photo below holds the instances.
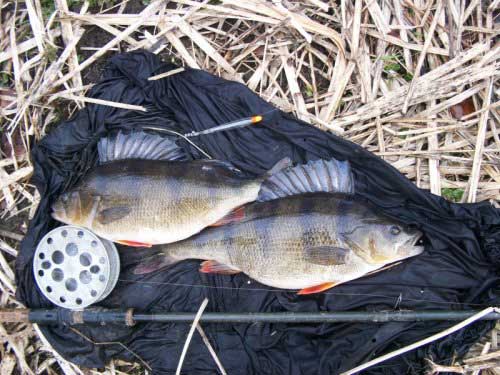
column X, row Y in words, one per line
column 138, row 145
column 154, row 263
column 328, row 176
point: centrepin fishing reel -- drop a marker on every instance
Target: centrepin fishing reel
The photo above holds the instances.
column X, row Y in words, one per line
column 74, row 268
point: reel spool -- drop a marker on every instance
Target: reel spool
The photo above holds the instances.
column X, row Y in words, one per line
column 74, row 268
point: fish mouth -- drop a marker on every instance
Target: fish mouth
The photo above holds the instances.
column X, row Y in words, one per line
column 414, row 241
column 413, row 245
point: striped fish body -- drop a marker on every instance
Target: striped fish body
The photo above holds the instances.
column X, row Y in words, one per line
column 153, row 201
column 292, row 243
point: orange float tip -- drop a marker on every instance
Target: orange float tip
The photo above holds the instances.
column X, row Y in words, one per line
column 256, row 119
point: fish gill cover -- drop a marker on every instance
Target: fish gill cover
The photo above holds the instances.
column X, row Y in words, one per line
column 458, row 270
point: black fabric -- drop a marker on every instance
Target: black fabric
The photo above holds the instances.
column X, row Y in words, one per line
column 459, row 269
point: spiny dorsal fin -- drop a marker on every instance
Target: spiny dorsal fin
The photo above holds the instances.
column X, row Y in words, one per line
column 138, row 145
column 330, row 176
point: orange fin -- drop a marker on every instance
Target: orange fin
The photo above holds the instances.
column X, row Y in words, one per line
column 232, row 217
column 134, row 243
column 212, row 266
column 316, row 288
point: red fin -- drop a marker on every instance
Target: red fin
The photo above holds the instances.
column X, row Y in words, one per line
column 134, row 244
column 233, row 217
column 316, row 288
column 211, row 266
column 154, row 263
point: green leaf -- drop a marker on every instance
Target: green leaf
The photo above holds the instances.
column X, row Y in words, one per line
column 403, row 130
column 309, row 91
column 4, row 79
column 395, row 67
column 48, row 7
column 452, row 194
column 408, row 76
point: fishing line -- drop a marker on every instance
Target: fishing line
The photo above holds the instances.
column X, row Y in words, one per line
column 291, row 291
column 180, row 135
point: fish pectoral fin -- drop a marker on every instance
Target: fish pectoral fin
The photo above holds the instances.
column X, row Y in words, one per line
column 317, row 288
column 326, row 255
column 154, row 263
column 233, row 217
column 212, row 266
column 134, row 243
column 108, row 215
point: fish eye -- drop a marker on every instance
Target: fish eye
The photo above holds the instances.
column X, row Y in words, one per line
column 395, row 230
column 64, row 198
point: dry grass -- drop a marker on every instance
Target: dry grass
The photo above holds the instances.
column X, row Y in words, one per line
column 413, row 81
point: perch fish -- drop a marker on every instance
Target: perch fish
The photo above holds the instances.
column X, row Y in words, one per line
column 143, row 193
column 308, row 242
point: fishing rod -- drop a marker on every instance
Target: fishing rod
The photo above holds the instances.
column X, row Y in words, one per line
column 130, row 317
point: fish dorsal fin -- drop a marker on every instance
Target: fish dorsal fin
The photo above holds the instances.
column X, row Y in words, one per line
column 326, row 255
column 328, row 176
column 138, row 145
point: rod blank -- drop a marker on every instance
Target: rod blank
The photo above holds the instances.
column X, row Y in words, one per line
column 324, row 317
column 129, row 317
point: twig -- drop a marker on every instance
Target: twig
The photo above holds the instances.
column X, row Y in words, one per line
column 421, row 58
column 166, row 74
column 211, row 349
column 478, row 153
column 190, row 335
column 109, row 103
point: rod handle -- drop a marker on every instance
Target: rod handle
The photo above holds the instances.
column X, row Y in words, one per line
column 14, row 316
